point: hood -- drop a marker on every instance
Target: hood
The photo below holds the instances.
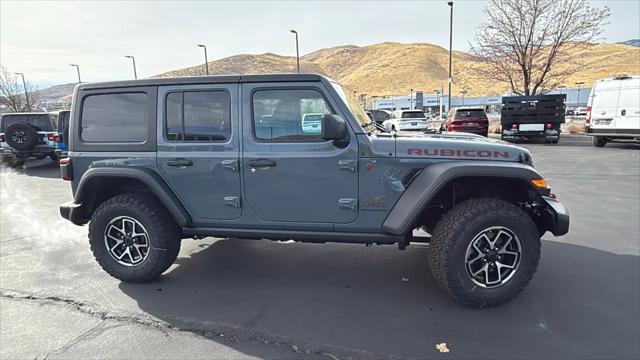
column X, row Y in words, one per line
column 456, row 146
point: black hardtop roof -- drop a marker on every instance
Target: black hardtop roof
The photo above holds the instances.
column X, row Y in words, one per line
column 211, row 79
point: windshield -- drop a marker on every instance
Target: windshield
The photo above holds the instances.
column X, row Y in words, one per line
column 353, row 105
column 469, row 112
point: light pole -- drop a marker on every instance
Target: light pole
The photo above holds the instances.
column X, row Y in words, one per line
column 450, row 3
column 463, row 92
column 135, row 72
column 561, row 87
column 439, row 99
column 578, row 99
column 411, row 99
column 206, row 59
column 77, row 69
column 297, row 50
column 26, row 96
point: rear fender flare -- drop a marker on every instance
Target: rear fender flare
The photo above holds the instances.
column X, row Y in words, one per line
column 433, row 178
column 155, row 184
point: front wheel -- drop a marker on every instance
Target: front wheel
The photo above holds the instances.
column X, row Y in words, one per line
column 484, row 252
column 133, row 238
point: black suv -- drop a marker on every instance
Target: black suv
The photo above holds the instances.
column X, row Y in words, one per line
column 27, row 135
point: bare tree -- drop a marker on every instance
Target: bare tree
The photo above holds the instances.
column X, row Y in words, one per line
column 12, row 92
column 528, row 43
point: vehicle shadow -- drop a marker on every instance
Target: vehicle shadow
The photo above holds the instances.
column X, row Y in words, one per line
column 44, row 168
column 582, row 302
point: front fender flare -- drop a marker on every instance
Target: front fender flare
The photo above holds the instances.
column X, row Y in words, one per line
column 430, row 180
column 157, row 186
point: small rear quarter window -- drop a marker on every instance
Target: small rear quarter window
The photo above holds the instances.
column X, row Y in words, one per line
column 117, row 117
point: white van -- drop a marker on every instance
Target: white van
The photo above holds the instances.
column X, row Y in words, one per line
column 613, row 111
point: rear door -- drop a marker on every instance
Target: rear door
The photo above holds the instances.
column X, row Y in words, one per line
column 198, row 148
column 604, row 104
column 628, row 109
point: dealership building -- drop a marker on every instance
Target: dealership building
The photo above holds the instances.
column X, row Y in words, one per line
column 576, row 97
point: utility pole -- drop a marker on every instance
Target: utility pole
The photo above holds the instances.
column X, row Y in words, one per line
column 135, row 72
column 26, row 96
column 78, row 70
column 411, row 99
column 297, row 50
column 450, row 3
column 206, row 59
column 463, row 92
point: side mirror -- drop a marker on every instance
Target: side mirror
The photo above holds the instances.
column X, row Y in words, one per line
column 334, row 127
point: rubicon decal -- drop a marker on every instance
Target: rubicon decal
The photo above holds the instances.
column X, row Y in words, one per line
column 458, row 153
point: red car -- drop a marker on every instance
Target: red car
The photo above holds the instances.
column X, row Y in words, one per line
column 468, row 119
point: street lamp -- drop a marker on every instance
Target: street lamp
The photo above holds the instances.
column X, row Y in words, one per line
column 206, row 59
column 411, row 99
column 463, row 92
column 297, row 50
column 578, row 99
column 26, row 96
column 133, row 59
column 450, row 3
column 78, row 69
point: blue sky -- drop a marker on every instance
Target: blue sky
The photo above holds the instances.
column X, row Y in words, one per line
column 42, row 38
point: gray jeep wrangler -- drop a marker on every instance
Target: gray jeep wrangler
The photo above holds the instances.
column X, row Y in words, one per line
column 155, row 161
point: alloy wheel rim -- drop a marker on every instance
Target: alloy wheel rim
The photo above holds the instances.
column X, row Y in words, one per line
column 493, row 257
column 19, row 136
column 127, row 241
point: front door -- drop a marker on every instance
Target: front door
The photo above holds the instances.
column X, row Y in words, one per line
column 198, row 148
column 290, row 173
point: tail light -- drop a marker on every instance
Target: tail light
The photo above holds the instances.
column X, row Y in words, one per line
column 587, row 120
column 548, row 126
column 65, row 169
column 1, row 137
column 57, row 138
column 514, row 126
column 50, row 137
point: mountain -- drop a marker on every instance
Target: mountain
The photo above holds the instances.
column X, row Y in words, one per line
column 394, row 68
column 55, row 92
column 632, row 42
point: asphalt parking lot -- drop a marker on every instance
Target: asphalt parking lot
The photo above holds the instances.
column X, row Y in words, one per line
column 230, row 298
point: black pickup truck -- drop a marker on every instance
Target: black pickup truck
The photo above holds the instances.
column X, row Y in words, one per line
column 529, row 117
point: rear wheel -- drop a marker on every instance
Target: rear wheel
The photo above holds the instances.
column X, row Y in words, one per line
column 133, row 238
column 484, row 252
column 599, row 141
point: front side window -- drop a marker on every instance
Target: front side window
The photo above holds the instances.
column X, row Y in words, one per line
column 121, row 117
column 289, row 115
column 200, row 116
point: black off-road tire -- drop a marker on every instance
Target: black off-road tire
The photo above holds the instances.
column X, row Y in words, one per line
column 21, row 136
column 599, row 141
column 455, row 231
column 54, row 157
column 163, row 233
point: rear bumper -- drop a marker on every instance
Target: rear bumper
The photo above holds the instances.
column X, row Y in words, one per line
column 72, row 212
column 613, row 132
column 39, row 150
column 559, row 216
column 477, row 131
column 515, row 134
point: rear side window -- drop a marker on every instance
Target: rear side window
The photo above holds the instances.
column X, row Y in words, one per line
column 120, row 117
column 202, row 116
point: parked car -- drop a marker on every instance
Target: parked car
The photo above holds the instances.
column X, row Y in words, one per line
column 532, row 117
column 407, row 120
column 27, row 135
column 614, row 110
column 468, row 119
column 218, row 174
column 63, row 132
column 311, row 123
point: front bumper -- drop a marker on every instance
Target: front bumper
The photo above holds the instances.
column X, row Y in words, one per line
column 558, row 216
column 72, row 212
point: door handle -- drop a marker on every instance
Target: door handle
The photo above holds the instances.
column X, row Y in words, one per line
column 179, row 162
column 262, row 163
